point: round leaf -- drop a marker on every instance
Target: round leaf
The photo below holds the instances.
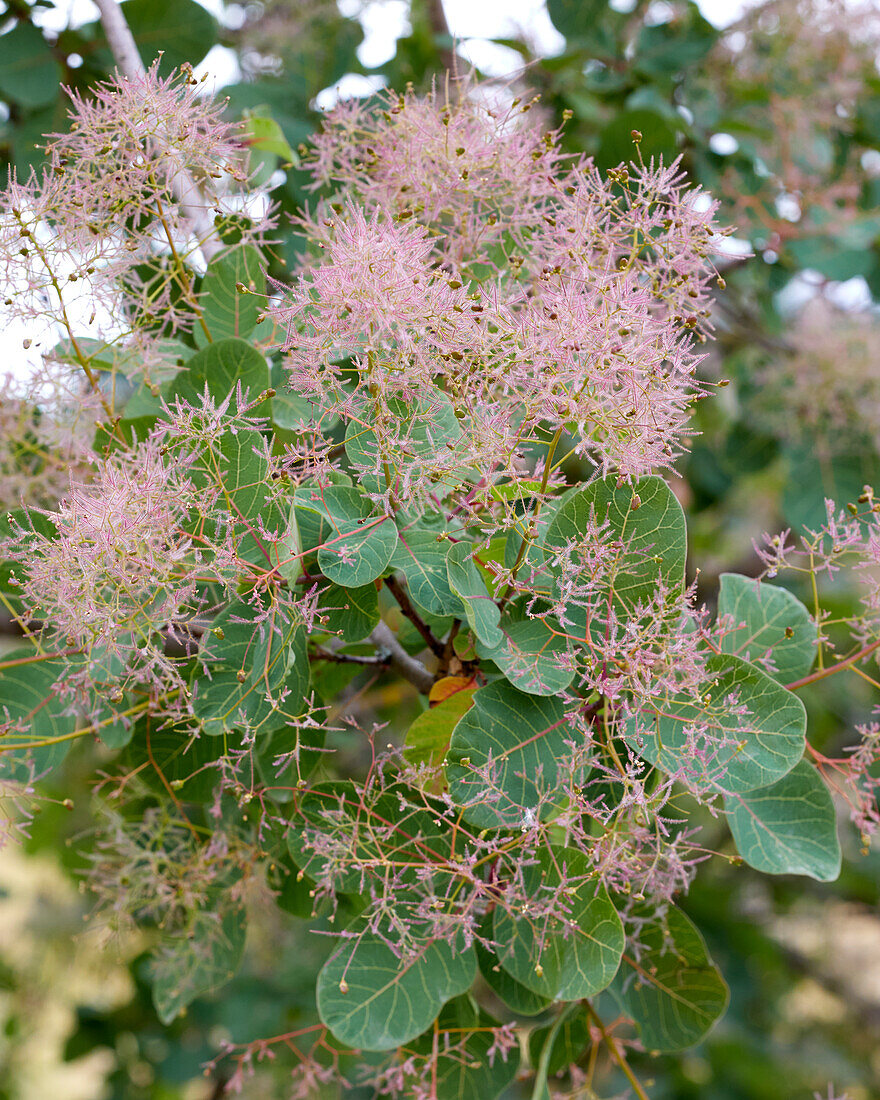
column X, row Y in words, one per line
column 563, row 959
column 673, row 991
column 740, row 732
column 504, row 756
column 788, row 828
column 371, row 999
column 769, row 623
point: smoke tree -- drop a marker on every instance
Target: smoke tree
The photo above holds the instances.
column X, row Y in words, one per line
column 281, row 494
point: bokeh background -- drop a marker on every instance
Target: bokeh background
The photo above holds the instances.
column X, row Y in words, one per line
column 775, row 110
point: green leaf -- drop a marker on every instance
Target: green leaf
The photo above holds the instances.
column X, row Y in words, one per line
column 264, row 134
column 664, row 49
column 189, row 763
column 616, row 145
column 775, row 624
column 371, row 999
column 286, row 551
column 358, row 545
column 350, row 612
column 286, row 756
column 563, row 960
column 221, row 366
column 514, row 994
column 203, row 958
column 31, row 706
column 576, row 18
column 424, row 431
column 481, row 611
column 788, row 828
column 464, row 1069
column 571, row 1040
column 746, row 751
column 645, row 518
column 428, row 737
column 532, row 656
column 673, row 991
column 520, row 741
column 421, row 556
column 181, row 29
column 400, row 823
column 256, row 669
column 29, row 74
column 229, row 312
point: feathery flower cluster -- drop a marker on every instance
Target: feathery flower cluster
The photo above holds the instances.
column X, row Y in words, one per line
column 148, row 175
column 115, row 572
column 47, row 424
column 460, row 251
column 827, row 391
column 812, row 58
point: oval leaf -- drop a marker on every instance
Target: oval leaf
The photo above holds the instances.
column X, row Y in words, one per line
column 644, row 516
column 563, row 959
column 465, row 581
column 741, row 732
column 771, row 626
column 788, row 828
column 673, row 992
column 371, row 999
column 504, row 756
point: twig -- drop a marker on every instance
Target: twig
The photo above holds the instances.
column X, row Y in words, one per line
column 348, row 658
column 399, row 593
column 408, row 667
column 832, row 669
column 615, row 1053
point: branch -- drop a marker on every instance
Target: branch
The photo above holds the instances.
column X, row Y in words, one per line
column 128, row 61
column 399, row 593
column 408, row 667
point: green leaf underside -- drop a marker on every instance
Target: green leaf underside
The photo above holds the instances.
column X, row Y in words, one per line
column 421, row 557
column 357, row 544
column 350, row 612
column 480, row 609
column 673, row 991
column 767, row 613
column 196, row 963
column 389, row 1000
column 563, row 961
column 789, row 827
column 259, row 670
column 524, row 736
column 748, row 751
column 530, row 656
column 654, row 533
